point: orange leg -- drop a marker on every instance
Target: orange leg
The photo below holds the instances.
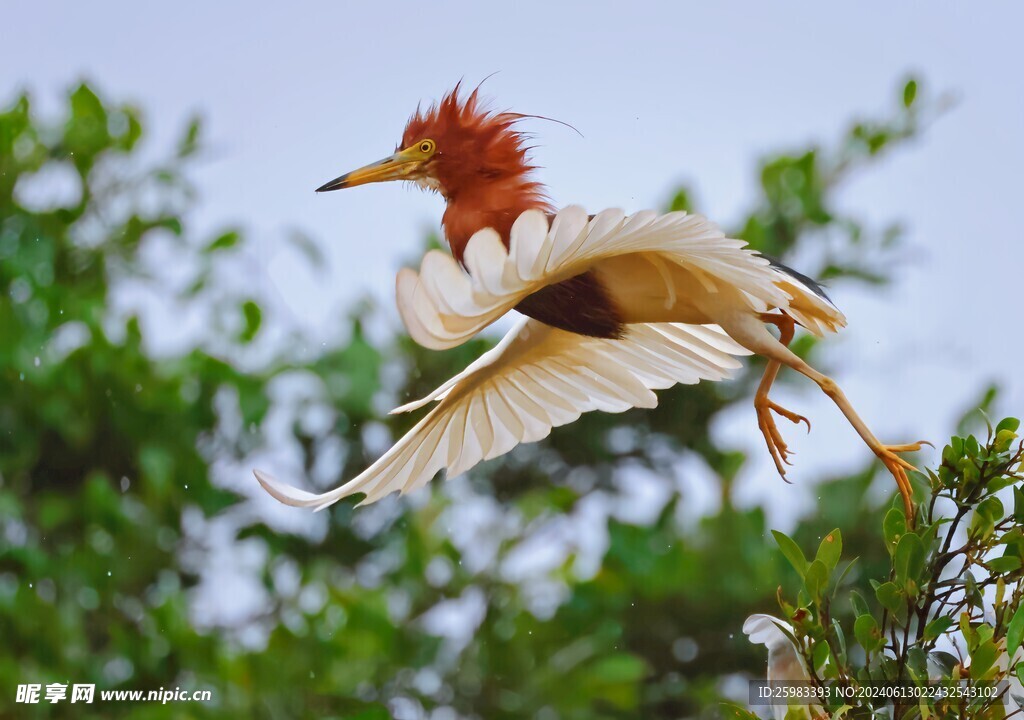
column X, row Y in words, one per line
column 749, row 330
column 888, row 454
column 764, row 406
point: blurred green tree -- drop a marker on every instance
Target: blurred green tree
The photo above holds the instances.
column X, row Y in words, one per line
column 409, row 609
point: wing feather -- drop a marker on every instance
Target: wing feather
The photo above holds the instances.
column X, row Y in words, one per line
column 535, row 379
column 442, row 306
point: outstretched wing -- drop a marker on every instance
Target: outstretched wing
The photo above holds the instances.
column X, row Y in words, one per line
column 536, row 378
column 443, row 306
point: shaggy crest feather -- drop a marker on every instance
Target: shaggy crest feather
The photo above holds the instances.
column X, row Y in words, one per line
column 482, row 166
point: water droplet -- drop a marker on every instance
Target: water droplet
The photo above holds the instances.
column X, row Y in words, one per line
column 36, row 361
column 108, row 573
column 186, row 486
column 21, row 376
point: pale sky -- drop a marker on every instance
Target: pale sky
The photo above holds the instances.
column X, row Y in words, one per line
column 297, row 93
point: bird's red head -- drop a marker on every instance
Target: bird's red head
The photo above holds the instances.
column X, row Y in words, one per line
column 476, row 158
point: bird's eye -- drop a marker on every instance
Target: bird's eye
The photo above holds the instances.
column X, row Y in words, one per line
column 427, row 147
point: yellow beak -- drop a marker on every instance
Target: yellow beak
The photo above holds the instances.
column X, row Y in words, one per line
column 400, row 166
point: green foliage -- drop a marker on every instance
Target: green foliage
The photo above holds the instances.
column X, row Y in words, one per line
column 948, row 589
column 114, row 465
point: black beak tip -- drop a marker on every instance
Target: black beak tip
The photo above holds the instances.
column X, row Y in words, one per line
column 335, row 184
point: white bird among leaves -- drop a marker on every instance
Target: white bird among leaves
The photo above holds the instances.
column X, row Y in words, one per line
column 617, row 306
column 786, row 667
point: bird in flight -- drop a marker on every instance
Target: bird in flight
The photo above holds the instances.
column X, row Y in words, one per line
column 615, row 306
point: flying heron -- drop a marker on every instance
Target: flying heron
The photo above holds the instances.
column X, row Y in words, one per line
column 615, row 307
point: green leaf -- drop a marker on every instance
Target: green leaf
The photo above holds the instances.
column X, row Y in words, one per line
column 1018, row 504
column 173, row 224
column 735, row 712
column 860, row 605
column 894, row 526
column 998, row 483
column 1003, row 440
column 681, row 201
column 1011, row 423
column 821, row 653
column 87, row 133
column 223, row 242
column 908, row 561
column 952, row 453
column 917, row 665
column 792, row 552
column 1015, row 631
column 992, row 508
column 796, row 712
column 936, row 627
column 189, row 142
column 969, row 633
column 831, row 549
column 253, row 320
column 957, row 445
column 840, row 640
column 988, row 512
column 983, row 658
column 971, row 446
column 909, row 93
column 816, row 580
column 892, row 599
column 1005, row 564
column 868, row 634
column 972, row 593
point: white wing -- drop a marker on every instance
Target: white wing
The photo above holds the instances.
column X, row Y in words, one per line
column 535, row 379
column 785, row 665
column 443, row 306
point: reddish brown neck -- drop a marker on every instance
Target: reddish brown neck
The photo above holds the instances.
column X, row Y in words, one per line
column 492, row 203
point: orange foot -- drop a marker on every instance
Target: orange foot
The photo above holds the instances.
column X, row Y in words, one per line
column 898, row 467
column 776, row 445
